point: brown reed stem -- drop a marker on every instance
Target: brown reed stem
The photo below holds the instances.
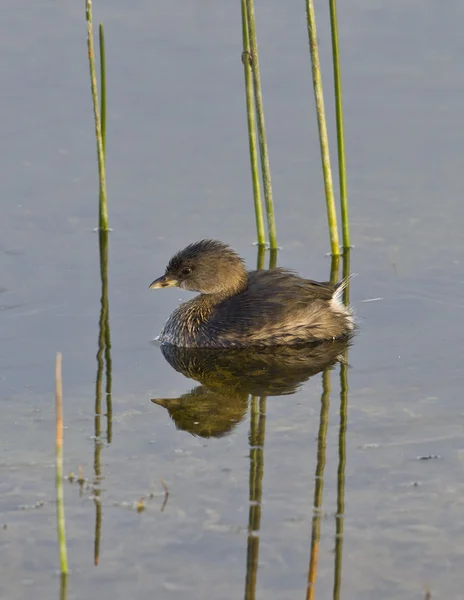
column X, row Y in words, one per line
column 59, row 467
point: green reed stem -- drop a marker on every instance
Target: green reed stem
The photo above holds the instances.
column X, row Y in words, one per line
column 251, row 118
column 103, row 208
column 340, row 129
column 322, row 126
column 334, row 268
column 273, row 258
column 266, row 171
column 103, row 87
column 59, row 467
column 260, row 258
column 63, row 586
column 346, row 270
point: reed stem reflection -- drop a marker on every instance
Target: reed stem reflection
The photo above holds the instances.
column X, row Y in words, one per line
column 104, row 337
column 339, row 517
column 319, row 483
column 103, row 364
column 321, row 459
column 341, row 478
column 256, row 440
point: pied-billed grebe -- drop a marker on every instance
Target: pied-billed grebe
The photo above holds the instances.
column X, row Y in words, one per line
column 238, row 308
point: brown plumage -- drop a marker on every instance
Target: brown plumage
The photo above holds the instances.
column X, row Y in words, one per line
column 237, row 308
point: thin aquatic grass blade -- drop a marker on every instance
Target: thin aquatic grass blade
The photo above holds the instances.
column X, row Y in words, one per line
column 265, row 168
column 60, row 520
column 251, row 121
column 103, row 87
column 103, row 207
column 340, row 128
column 322, row 127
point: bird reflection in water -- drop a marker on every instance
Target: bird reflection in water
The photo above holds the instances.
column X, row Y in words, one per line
column 229, row 377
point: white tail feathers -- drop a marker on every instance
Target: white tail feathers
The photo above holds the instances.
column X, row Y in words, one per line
column 337, row 301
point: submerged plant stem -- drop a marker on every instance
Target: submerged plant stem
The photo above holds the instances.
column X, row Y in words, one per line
column 267, row 185
column 103, row 209
column 340, row 129
column 251, row 118
column 322, row 126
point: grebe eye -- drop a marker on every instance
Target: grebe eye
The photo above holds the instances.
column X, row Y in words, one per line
column 186, row 271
